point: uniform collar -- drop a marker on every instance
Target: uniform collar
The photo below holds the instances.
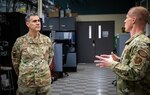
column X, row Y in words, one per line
column 132, row 38
column 35, row 40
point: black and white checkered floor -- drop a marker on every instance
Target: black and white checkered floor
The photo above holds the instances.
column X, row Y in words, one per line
column 88, row 80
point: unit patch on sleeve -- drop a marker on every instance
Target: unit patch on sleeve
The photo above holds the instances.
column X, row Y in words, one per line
column 138, row 60
column 142, row 53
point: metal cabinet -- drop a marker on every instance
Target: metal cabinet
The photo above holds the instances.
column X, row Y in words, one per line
column 121, row 39
column 45, row 24
column 67, row 24
column 59, row 24
column 50, row 24
column 53, row 24
column 63, row 33
column 71, row 64
column 58, row 59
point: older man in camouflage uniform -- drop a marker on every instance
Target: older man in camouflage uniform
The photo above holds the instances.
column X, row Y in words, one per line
column 133, row 68
column 31, row 55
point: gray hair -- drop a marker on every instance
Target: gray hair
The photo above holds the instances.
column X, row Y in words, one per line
column 29, row 15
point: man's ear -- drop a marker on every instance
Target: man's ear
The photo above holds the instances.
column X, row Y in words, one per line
column 27, row 23
column 133, row 19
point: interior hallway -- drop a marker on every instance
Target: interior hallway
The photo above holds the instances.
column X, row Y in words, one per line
column 88, row 80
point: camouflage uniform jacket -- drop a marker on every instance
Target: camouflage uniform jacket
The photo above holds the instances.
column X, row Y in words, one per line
column 133, row 70
column 31, row 58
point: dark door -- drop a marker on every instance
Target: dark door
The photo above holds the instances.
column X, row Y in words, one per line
column 95, row 37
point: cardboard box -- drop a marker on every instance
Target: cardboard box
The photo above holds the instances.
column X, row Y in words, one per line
column 54, row 14
column 74, row 14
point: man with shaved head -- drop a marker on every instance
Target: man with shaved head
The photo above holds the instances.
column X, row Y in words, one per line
column 133, row 67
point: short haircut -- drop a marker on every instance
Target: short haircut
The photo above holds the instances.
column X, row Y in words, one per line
column 29, row 15
column 140, row 12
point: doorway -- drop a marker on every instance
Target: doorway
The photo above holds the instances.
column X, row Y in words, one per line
column 94, row 38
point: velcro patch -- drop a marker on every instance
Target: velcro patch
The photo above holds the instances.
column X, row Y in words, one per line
column 142, row 53
column 138, row 60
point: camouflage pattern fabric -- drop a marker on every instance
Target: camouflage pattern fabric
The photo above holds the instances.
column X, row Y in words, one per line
column 32, row 91
column 133, row 70
column 31, row 58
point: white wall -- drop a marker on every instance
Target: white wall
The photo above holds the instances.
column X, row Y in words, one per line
column 117, row 18
column 147, row 29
